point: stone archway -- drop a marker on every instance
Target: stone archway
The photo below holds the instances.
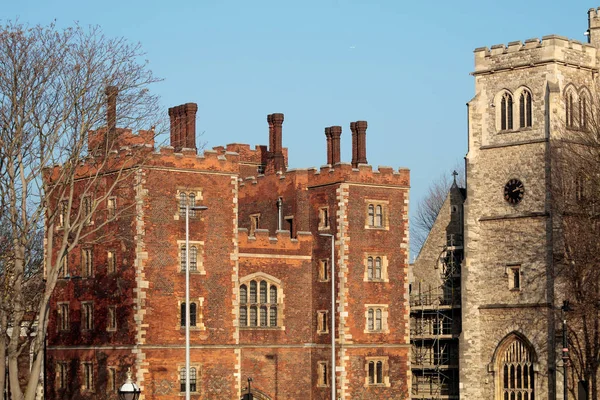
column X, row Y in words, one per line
column 514, row 361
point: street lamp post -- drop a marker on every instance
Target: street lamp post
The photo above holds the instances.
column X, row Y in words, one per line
column 187, row 294
column 332, row 277
column 129, row 390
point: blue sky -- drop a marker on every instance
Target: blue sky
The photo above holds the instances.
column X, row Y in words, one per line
column 402, row 66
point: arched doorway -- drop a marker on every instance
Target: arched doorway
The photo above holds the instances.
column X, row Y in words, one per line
column 514, row 362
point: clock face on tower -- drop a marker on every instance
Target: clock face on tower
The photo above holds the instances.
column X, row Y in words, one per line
column 514, row 191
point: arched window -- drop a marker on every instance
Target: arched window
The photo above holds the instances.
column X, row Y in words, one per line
column 371, row 319
column 193, row 258
column 370, row 267
column 375, row 372
column 263, row 292
column 378, row 325
column 377, row 267
column 183, row 260
column 192, row 314
column 192, row 379
column 506, row 112
column 570, row 115
column 192, row 200
column 516, row 378
column 378, row 216
column 525, row 112
column 260, row 307
column 371, row 215
column 253, row 292
column 182, row 203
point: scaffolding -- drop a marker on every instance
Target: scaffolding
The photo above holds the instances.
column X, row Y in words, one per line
column 435, row 327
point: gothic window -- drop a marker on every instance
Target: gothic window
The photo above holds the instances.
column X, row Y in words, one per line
column 182, row 203
column 112, row 380
column 259, row 303
column 88, row 376
column 525, row 112
column 192, row 201
column 63, row 266
column 185, row 199
column 376, row 318
column 376, row 214
column 111, row 261
column 61, row 374
column 86, row 263
column 322, row 322
column 506, row 112
column 571, row 118
column 324, row 218
column 376, row 268
column 377, row 371
column 112, row 318
column 192, row 379
column 323, row 378
column 193, row 258
column 516, row 377
column 193, row 313
column 111, row 207
column 324, row 270
column 87, row 316
column 584, row 110
column 63, row 316
column 87, row 208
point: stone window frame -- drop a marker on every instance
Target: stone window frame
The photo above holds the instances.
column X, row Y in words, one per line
column 271, row 281
column 112, row 383
column 199, row 244
column 63, row 319
column 374, row 308
column 514, row 274
column 87, row 262
column 322, row 322
column 384, row 267
column 111, row 208
column 323, row 378
column 111, row 261
column 62, row 374
column 371, row 216
column 87, row 315
column 63, row 266
column 199, row 302
column 324, row 273
column 180, row 212
column 514, row 350
column 87, row 204
column 111, row 318
column 371, row 375
column 181, row 374
column 87, row 376
column 62, row 210
column 254, row 223
column 324, row 219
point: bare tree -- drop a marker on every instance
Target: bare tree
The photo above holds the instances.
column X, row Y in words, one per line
column 430, row 206
column 52, row 94
column 575, row 194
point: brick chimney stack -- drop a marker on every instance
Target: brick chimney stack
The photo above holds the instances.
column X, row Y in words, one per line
column 111, row 114
column 190, row 118
column 336, row 133
column 359, row 142
column 183, row 126
column 275, row 156
column 329, row 155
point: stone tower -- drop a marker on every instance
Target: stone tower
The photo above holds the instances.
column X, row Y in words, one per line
column 508, row 342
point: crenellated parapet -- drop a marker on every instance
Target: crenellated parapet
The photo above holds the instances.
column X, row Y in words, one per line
column 550, row 49
column 98, row 144
column 187, row 159
column 261, row 242
column 341, row 172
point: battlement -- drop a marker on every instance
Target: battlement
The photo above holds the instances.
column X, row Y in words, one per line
column 340, row 172
column 209, row 160
column 551, row 48
column 282, row 243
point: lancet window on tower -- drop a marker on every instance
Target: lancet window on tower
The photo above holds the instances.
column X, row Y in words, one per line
column 525, row 112
column 506, row 112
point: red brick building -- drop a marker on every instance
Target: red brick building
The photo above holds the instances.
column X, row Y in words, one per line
column 260, row 289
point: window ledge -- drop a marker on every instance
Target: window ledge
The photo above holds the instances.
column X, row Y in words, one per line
column 377, row 228
column 322, row 332
column 377, row 280
column 197, row 272
column 261, row 328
